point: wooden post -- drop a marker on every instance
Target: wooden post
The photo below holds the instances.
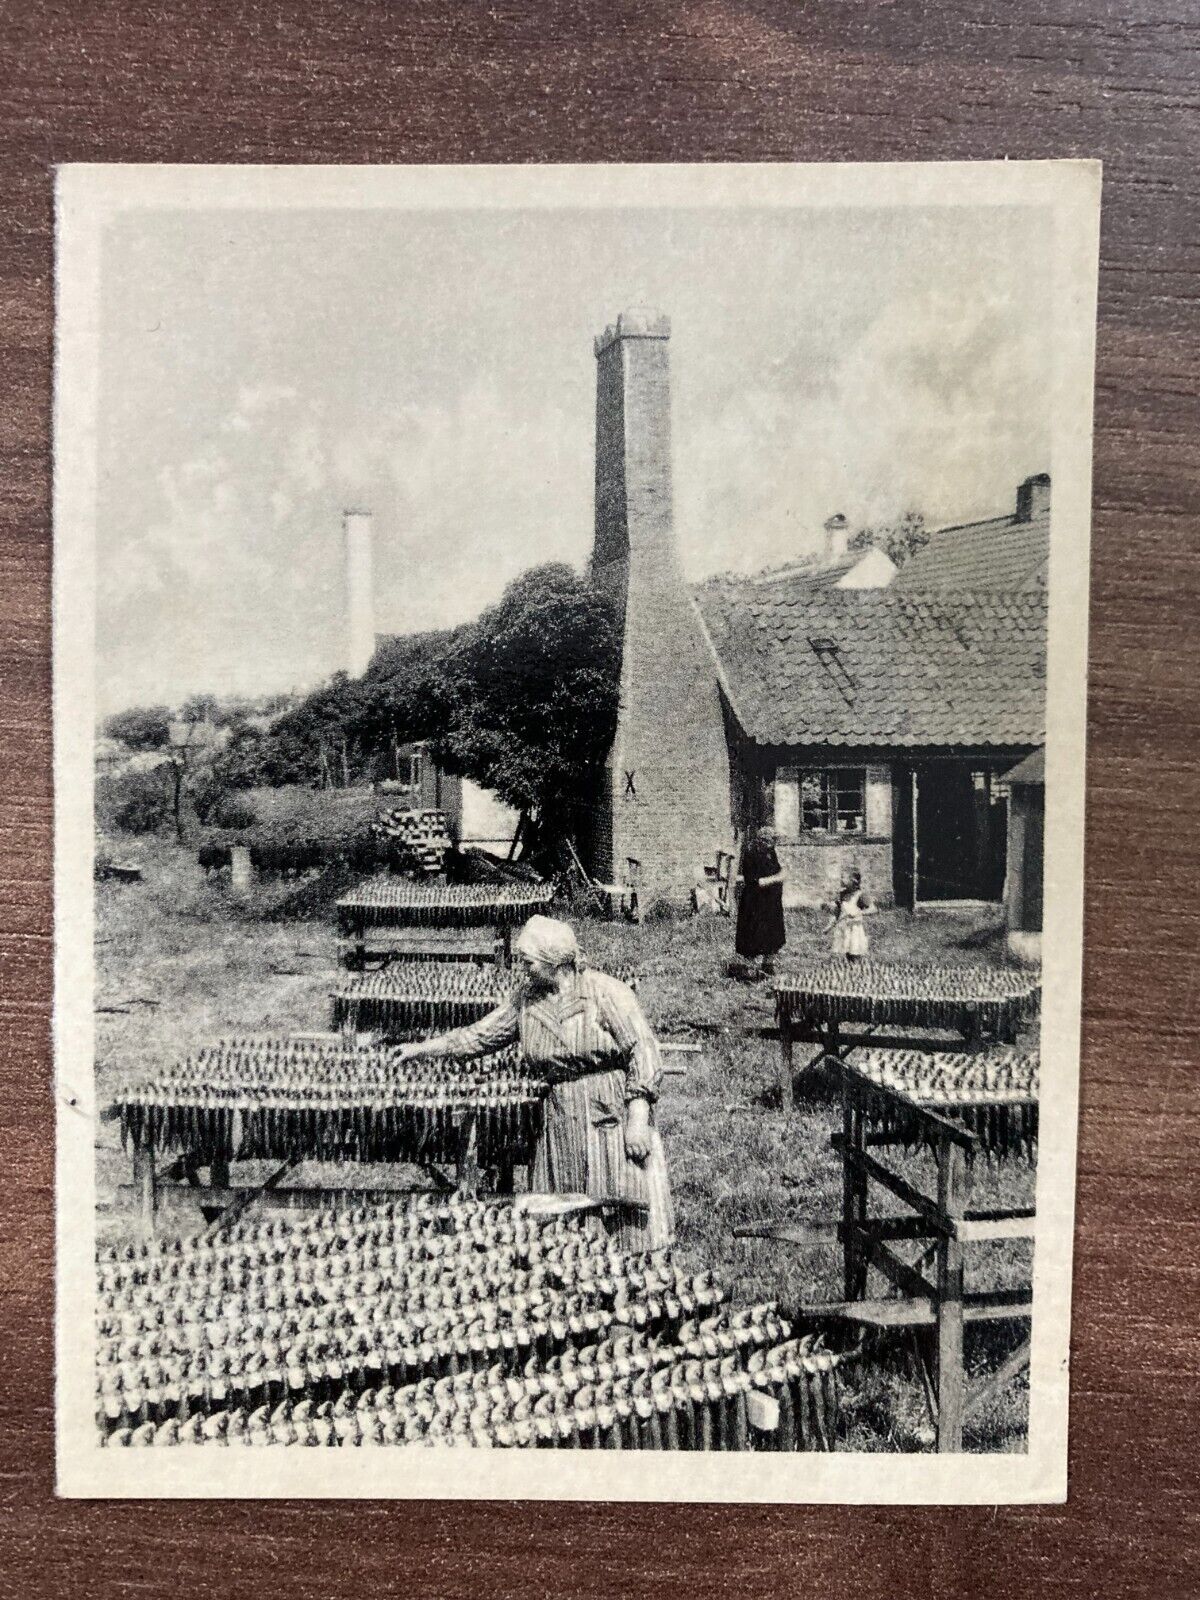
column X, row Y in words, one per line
column 854, row 1199
column 787, row 1099
column 916, row 854
column 241, row 868
column 177, row 799
column 952, row 1200
column 146, row 1181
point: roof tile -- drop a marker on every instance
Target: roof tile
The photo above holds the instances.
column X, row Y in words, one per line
column 907, row 670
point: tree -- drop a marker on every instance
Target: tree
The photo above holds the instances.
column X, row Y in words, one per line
column 141, row 728
column 199, row 708
column 523, row 701
column 899, row 539
column 533, row 690
column 141, row 802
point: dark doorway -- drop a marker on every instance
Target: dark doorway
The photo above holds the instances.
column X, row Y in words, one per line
column 961, row 826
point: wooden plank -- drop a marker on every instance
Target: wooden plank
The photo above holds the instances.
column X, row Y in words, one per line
column 283, row 1197
column 787, row 1099
column 247, row 1198
column 976, row 1229
column 995, row 1306
column 875, row 1313
column 1016, row 1362
column 900, row 1187
column 898, row 1273
column 826, row 1230
column 854, row 1200
column 951, row 1378
column 821, row 1232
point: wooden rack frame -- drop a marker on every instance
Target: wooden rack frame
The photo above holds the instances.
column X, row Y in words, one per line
column 835, row 1045
column 940, row 1221
column 221, row 1202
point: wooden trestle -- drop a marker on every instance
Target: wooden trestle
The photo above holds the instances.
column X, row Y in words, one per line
column 874, row 1118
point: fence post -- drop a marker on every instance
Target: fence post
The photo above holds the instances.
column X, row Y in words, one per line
column 241, row 868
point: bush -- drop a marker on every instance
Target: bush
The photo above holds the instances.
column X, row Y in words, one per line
column 143, row 728
column 142, row 803
column 233, row 815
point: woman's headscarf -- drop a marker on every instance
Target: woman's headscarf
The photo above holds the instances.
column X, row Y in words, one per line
column 548, row 940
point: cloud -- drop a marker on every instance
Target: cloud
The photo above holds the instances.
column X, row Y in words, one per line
column 938, row 405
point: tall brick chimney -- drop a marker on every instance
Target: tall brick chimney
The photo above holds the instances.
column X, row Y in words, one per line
column 665, row 796
column 360, row 609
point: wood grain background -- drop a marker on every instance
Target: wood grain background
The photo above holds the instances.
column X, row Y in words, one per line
column 695, row 80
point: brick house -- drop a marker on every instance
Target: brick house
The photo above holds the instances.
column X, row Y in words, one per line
column 873, row 730
column 871, row 725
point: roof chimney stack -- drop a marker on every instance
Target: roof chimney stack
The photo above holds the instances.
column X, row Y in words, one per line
column 1033, row 498
column 360, row 613
column 837, row 538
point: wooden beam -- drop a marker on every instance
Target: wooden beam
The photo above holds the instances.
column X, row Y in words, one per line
column 898, row 1273
column 291, row 1199
column 787, row 1099
column 1004, row 1373
column 951, row 1376
column 247, row 1198
column 974, row 1229
column 903, row 1190
column 1000, row 1305
column 822, row 1232
column 828, row 1230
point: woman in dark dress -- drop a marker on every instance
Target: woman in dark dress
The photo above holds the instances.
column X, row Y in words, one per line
column 760, row 934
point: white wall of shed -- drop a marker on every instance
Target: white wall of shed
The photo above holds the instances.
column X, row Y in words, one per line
column 486, row 821
column 875, row 571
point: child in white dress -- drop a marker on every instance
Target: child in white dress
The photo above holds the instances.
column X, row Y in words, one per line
column 849, row 934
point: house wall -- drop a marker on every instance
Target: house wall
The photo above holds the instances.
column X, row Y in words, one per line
column 815, row 864
column 1023, row 881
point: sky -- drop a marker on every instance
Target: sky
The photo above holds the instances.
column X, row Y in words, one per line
column 261, row 371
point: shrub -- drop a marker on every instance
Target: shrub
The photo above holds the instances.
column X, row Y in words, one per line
column 142, row 803
column 233, row 815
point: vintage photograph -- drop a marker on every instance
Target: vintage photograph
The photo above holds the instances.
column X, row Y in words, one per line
column 569, row 693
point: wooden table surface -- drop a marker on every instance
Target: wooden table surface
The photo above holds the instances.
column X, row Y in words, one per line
column 304, row 81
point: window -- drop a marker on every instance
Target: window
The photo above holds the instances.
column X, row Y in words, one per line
column 833, row 800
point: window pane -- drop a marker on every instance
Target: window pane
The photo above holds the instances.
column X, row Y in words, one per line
column 814, row 801
column 851, row 800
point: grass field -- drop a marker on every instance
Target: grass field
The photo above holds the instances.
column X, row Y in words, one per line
column 180, row 961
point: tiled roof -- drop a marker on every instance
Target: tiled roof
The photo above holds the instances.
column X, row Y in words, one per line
column 874, row 668
column 999, row 554
column 807, row 575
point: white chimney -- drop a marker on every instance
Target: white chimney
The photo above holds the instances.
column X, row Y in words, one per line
column 360, row 612
column 837, row 537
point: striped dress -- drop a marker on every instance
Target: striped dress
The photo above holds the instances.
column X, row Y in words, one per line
column 595, row 1048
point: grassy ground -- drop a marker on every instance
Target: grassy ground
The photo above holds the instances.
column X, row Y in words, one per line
column 180, row 961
